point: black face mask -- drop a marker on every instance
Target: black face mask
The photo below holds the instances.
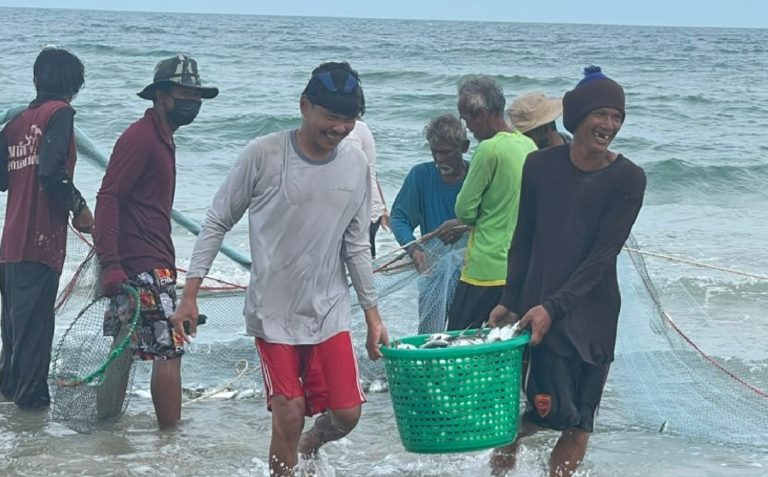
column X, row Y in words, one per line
column 184, row 111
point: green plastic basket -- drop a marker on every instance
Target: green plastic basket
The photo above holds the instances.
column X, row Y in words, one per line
column 456, row 399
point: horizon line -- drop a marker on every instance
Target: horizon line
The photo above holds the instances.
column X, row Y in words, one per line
column 95, row 9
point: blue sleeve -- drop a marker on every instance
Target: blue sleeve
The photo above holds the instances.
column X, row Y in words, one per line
column 406, row 213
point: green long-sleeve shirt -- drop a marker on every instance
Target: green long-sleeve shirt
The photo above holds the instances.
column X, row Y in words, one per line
column 489, row 201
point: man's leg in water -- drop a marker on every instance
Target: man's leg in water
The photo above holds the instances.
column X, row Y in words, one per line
column 569, row 452
column 283, row 367
column 111, row 393
column 333, row 387
column 503, row 459
column 287, row 424
column 329, row 426
column 166, row 391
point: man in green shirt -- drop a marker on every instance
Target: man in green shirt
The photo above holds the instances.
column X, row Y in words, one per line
column 488, row 200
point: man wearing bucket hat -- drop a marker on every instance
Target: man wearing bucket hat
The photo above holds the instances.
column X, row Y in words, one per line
column 133, row 227
column 307, row 194
column 577, row 208
column 534, row 114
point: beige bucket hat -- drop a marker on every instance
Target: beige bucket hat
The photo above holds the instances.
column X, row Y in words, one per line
column 534, row 109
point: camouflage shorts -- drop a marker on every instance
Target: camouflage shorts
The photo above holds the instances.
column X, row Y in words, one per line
column 154, row 337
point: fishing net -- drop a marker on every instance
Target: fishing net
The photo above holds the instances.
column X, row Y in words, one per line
column 664, row 380
column 222, row 358
column 80, row 277
column 436, row 281
column 217, row 364
column 91, row 369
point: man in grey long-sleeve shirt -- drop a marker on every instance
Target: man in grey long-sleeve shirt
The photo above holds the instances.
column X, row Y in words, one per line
column 309, row 206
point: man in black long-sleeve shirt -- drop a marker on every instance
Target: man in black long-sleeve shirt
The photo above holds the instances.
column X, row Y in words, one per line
column 578, row 204
column 37, row 161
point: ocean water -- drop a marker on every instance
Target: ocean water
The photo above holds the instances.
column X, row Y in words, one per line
column 697, row 99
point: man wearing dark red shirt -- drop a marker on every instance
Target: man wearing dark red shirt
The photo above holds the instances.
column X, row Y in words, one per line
column 37, row 163
column 133, row 231
column 577, row 207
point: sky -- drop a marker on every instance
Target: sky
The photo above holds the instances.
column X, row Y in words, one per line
column 707, row 13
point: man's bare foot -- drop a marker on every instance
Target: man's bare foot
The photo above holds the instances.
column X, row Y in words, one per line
column 503, row 459
column 307, row 467
column 309, row 445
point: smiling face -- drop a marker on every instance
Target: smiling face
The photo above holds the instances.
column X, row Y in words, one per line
column 598, row 129
column 323, row 129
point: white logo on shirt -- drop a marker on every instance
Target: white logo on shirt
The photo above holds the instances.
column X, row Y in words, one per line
column 24, row 153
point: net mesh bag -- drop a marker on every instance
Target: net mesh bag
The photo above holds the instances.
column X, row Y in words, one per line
column 91, row 370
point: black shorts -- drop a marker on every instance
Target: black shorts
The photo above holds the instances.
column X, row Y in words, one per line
column 472, row 305
column 562, row 391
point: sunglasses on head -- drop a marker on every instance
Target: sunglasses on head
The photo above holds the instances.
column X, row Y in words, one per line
column 327, row 80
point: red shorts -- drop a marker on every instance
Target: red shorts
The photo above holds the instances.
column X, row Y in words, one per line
column 324, row 374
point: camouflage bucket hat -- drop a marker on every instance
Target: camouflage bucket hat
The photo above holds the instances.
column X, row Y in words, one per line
column 179, row 70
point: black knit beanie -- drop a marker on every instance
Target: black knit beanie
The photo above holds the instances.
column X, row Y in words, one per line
column 594, row 91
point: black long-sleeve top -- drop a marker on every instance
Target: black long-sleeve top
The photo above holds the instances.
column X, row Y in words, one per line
column 52, row 169
column 571, row 227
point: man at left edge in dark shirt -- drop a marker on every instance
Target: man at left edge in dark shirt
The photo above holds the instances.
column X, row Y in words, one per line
column 37, row 162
